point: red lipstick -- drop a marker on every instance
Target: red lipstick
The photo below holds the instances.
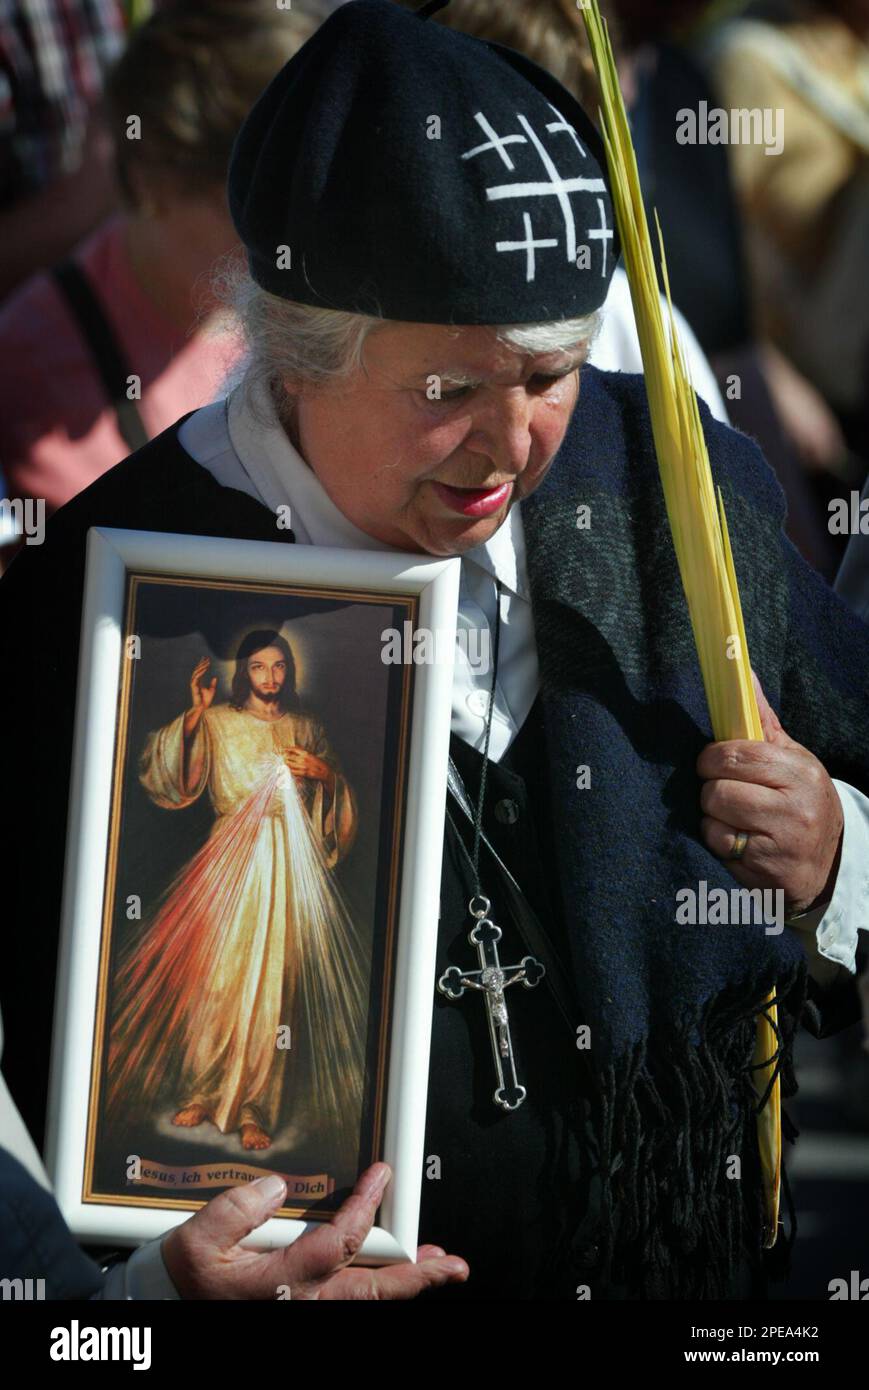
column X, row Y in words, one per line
column 474, row 501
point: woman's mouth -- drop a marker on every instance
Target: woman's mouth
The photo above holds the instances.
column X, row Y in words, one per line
column 474, row 501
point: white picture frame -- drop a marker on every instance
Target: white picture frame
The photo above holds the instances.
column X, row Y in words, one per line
column 115, row 560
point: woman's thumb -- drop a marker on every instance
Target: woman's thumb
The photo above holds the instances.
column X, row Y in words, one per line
column 772, row 728
column 227, row 1219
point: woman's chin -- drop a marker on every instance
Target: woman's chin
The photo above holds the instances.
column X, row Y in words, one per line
column 455, row 536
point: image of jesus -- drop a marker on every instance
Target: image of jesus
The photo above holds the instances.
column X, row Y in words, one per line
column 252, row 942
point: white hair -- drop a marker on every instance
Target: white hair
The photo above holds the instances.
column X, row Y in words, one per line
column 290, row 342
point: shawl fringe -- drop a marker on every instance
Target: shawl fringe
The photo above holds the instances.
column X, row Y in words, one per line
column 673, row 1225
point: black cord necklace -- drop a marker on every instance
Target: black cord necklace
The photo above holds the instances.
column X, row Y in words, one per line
column 478, row 818
column 492, row 978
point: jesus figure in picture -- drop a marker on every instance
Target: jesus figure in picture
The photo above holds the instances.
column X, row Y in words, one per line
column 252, row 941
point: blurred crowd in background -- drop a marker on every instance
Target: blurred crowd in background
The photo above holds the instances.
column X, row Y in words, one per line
column 116, row 125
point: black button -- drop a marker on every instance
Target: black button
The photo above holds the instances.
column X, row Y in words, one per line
column 506, row 811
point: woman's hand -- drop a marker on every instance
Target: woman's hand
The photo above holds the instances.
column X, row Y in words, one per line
column 781, row 796
column 205, row 1258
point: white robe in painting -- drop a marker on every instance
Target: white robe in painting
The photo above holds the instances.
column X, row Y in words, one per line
column 251, row 936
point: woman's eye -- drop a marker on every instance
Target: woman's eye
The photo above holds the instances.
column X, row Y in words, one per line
column 445, row 397
column 541, row 381
column 547, row 379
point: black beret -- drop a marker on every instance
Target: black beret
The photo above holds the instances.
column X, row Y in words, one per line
column 398, row 168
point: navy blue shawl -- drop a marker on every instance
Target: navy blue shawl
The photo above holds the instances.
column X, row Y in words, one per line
column 671, row 1007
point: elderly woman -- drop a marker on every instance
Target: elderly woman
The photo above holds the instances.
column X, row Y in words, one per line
column 429, row 236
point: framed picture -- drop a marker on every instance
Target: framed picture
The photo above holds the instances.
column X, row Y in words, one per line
column 252, row 882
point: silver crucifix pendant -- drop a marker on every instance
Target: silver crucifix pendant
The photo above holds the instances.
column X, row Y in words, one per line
column 493, row 978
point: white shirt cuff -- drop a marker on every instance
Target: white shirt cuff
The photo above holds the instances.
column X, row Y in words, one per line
column 143, row 1276
column 829, row 934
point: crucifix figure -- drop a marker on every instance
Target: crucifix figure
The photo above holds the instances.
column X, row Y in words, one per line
column 492, row 979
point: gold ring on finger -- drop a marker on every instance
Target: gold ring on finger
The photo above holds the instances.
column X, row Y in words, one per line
column 740, row 844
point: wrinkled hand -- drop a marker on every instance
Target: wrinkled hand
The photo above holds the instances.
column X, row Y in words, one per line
column 782, row 797
column 205, row 1259
column 304, row 764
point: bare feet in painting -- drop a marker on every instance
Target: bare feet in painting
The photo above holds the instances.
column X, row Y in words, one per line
column 252, row 1137
column 190, row 1115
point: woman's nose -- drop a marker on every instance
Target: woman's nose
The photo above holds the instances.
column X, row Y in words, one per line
column 502, row 429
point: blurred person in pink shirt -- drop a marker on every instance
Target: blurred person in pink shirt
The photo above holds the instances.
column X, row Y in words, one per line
column 136, row 338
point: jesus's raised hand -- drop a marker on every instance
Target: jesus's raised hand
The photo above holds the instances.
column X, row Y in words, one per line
column 202, row 694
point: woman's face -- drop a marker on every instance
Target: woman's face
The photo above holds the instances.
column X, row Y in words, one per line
column 437, row 475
